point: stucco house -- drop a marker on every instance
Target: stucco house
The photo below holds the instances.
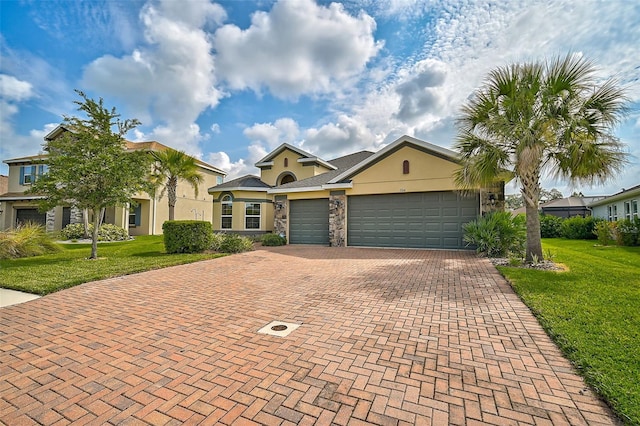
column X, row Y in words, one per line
column 622, row 205
column 401, row 196
column 144, row 218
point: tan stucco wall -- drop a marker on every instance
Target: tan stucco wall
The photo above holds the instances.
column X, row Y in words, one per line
column 270, row 176
column 426, row 173
column 240, row 199
column 14, row 179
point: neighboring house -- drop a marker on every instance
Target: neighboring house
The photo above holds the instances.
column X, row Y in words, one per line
column 144, row 218
column 623, row 205
column 569, row 206
column 401, row 196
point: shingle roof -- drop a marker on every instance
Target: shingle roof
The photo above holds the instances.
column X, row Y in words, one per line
column 342, row 164
column 248, row 181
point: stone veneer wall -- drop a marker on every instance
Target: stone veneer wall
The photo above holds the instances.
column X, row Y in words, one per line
column 76, row 215
column 337, row 218
column 280, row 215
column 51, row 220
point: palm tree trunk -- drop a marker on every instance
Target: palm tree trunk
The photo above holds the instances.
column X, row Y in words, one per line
column 534, row 242
column 172, row 196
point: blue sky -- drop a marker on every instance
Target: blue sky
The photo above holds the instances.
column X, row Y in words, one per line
column 229, row 81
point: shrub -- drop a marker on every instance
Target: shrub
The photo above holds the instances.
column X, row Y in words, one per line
column 273, row 240
column 26, row 240
column 550, row 226
column 234, row 243
column 187, row 236
column 605, row 233
column 579, row 228
column 627, row 232
column 107, row 232
column 498, row 234
column 74, row 231
column 216, row 241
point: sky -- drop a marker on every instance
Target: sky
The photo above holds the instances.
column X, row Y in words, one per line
column 229, row 81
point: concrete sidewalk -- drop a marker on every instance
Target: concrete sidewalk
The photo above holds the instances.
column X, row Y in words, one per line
column 385, row 337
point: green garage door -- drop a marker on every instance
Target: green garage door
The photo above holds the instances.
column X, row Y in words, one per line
column 30, row 215
column 309, row 221
column 416, row 220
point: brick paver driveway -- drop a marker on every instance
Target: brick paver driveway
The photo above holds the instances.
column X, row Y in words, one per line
column 386, row 337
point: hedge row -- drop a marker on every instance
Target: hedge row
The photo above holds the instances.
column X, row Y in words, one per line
column 624, row 232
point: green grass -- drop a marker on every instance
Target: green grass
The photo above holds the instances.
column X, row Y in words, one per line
column 592, row 311
column 69, row 267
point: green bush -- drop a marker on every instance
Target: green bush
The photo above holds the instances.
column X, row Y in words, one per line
column 28, row 239
column 74, row 231
column 605, row 232
column 498, row 234
column 550, row 226
column 273, row 240
column 187, row 236
column 216, row 241
column 234, row 243
column 628, row 232
column 580, row 228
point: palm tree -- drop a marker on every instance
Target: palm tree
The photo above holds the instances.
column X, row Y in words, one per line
column 541, row 118
column 170, row 167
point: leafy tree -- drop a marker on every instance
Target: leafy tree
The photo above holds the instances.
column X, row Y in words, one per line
column 89, row 166
column 170, row 167
column 513, row 201
column 541, row 117
column 550, row 195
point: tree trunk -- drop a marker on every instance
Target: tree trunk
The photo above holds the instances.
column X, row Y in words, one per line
column 172, row 196
column 97, row 213
column 534, row 242
column 85, row 221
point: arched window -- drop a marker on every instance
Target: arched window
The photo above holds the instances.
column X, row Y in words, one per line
column 227, row 212
column 287, row 179
column 286, row 162
column 405, row 167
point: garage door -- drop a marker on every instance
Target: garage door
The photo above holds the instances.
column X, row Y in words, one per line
column 417, row 220
column 30, row 215
column 309, row 221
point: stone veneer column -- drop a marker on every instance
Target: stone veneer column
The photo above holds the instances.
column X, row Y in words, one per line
column 280, row 209
column 76, row 215
column 51, row 220
column 492, row 198
column 337, row 218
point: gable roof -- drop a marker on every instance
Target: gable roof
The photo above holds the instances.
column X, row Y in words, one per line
column 306, row 157
column 427, row 147
column 563, row 203
column 316, row 182
column 245, row 183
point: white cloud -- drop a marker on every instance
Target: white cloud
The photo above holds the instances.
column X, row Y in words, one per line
column 421, row 91
column 297, row 48
column 170, row 80
column 345, row 136
column 241, row 167
column 12, row 89
column 283, row 130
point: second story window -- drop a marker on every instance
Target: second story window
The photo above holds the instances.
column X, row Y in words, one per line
column 286, row 162
column 29, row 174
column 405, row 167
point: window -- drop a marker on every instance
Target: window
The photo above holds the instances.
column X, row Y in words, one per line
column 286, row 162
column 135, row 214
column 615, row 212
column 27, row 175
column 405, row 167
column 252, row 216
column 219, row 180
column 610, row 213
column 634, row 208
column 627, row 210
column 227, row 212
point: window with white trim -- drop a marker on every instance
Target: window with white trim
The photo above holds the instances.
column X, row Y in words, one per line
column 252, row 216
column 610, row 213
column 627, row 210
column 615, row 212
column 634, row 208
column 227, row 212
column 27, row 175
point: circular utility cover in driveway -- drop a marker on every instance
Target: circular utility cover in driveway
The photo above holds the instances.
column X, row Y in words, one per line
column 278, row 328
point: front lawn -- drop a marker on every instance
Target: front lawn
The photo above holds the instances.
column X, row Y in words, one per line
column 69, row 267
column 592, row 311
